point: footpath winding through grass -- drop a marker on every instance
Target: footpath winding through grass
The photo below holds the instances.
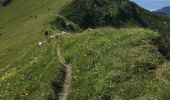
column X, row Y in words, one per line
column 107, row 63
column 67, row 76
column 115, row 64
column 27, row 71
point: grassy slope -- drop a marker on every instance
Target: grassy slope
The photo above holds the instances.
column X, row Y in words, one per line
column 107, row 63
column 26, row 70
column 18, row 29
column 110, row 63
column 92, row 13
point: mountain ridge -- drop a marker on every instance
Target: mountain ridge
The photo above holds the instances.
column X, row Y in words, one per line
column 92, row 14
column 117, row 50
column 165, row 10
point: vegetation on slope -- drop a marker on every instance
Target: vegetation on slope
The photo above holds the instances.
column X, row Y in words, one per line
column 114, row 64
column 123, row 13
column 93, row 13
column 107, row 63
column 27, row 71
column 31, row 78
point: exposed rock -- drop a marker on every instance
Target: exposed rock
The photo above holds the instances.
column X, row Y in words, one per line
column 64, row 24
column 5, row 2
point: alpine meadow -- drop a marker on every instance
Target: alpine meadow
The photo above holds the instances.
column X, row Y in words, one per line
column 83, row 50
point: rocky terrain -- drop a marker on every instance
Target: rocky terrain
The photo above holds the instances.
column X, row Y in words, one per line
column 5, row 2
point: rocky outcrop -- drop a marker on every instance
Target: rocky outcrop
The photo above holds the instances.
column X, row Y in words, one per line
column 5, row 2
column 96, row 13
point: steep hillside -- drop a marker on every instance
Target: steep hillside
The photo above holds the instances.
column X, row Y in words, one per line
column 26, row 69
column 90, row 56
column 120, row 64
column 92, row 13
column 123, row 13
column 118, row 61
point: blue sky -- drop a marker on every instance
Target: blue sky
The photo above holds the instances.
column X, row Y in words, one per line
column 152, row 4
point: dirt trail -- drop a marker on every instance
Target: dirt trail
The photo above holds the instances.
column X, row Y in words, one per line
column 67, row 77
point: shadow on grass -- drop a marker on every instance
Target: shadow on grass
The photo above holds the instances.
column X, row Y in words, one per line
column 57, row 85
column 163, row 45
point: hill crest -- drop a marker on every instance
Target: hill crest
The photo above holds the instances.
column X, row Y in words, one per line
column 165, row 10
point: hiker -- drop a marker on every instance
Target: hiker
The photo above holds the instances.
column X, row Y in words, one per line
column 46, row 34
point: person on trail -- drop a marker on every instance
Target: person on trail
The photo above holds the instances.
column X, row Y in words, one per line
column 46, row 34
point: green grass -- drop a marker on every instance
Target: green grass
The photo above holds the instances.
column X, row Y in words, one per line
column 33, row 79
column 92, row 13
column 107, row 63
column 27, row 70
column 19, row 30
column 114, row 64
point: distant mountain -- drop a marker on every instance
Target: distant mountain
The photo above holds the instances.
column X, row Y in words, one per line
column 165, row 10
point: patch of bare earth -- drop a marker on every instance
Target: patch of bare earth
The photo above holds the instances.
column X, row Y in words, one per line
column 67, row 77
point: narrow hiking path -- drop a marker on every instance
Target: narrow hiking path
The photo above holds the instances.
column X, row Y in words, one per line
column 67, row 77
column 66, row 84
column 51, row 37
